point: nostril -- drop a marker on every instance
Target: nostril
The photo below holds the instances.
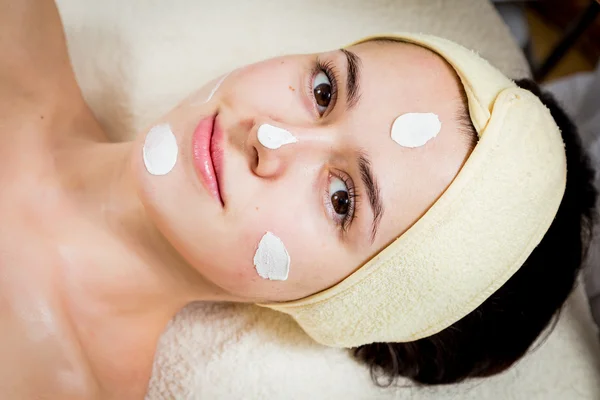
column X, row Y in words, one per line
column 254, row 158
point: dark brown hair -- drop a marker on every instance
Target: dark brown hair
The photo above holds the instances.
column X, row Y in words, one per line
column 502, row 329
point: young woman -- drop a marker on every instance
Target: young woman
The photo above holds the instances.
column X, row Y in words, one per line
column 99, row 247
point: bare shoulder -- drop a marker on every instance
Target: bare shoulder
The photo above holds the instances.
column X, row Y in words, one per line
column 35, row 65
column 40, row 357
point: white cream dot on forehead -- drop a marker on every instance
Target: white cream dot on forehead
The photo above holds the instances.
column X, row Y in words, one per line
column 415, row 129
column 271, row 259
column 160, row 150
column 273, row 137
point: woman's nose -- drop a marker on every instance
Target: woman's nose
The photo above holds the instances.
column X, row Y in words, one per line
column 276, row 146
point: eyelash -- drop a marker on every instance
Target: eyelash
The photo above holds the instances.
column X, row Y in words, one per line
column 328, row 67
column 347, row 220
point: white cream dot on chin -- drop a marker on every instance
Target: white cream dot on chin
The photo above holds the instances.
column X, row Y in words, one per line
column 160, row 150
column 273, row 137
column 415, row 129
column 271, row 259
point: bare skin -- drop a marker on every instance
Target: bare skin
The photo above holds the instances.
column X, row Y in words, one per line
column 96, row 256
column 68, row 332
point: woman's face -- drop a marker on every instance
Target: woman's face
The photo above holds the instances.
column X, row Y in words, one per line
column 337, row 196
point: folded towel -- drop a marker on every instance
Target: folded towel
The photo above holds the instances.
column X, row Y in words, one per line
column 224, row 352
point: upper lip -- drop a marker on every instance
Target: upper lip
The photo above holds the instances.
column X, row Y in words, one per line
column 208, row 155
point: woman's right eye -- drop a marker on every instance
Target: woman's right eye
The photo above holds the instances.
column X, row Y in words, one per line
column 323, row 91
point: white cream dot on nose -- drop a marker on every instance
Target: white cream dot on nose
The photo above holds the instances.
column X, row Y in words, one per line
column 273, row 137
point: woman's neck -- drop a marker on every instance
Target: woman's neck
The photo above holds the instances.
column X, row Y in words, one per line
column 141, row 273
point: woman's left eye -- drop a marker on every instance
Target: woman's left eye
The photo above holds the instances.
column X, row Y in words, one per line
column 323, row 91
column 340, row 197
column 341, row 200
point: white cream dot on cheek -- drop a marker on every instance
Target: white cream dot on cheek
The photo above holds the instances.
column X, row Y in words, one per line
column 160, row 150
column 273, row 137
column 415, row 129
column 271, row 259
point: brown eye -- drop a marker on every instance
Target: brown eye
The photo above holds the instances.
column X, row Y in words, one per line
column 340, row 198
column 322, row 91
column 340, row 202
column 323, row 94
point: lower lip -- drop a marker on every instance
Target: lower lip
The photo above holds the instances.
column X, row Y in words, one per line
column 208, row 154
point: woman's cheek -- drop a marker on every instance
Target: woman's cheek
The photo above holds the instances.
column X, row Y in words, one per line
column 287, row 226
column 270, row 88
column 265, row 256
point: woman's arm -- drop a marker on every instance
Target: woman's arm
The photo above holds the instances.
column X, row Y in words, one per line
column 34, row 60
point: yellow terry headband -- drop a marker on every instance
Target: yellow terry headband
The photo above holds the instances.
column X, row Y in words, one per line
column 475, row 236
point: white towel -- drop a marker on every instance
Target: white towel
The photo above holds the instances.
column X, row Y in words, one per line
column 226, row 352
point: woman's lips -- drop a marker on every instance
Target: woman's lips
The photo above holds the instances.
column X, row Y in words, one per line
column 208, row 154
column 217, row 155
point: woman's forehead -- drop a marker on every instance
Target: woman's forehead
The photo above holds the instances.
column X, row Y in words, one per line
column 399, row 79
column 406, row 65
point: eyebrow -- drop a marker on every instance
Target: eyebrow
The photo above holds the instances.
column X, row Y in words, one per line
column 373, row 192
column 353, row 64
